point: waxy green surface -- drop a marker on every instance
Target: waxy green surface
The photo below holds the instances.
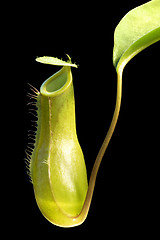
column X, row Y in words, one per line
column 57, row 165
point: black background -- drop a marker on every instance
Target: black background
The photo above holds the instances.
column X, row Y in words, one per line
column 126, row 193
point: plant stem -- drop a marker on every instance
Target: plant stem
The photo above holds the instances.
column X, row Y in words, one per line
column 103, row 148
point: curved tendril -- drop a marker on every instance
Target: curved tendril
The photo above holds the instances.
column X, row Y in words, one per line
column 85, row 209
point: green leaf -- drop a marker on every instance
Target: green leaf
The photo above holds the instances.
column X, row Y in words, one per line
column 137, row 30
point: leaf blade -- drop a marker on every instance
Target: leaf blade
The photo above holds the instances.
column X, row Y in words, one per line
column 137, row 30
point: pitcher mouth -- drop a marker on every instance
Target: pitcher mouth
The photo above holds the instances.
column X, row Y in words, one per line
column 57, row 83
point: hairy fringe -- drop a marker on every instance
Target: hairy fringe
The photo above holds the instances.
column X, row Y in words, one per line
column 32, row 132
